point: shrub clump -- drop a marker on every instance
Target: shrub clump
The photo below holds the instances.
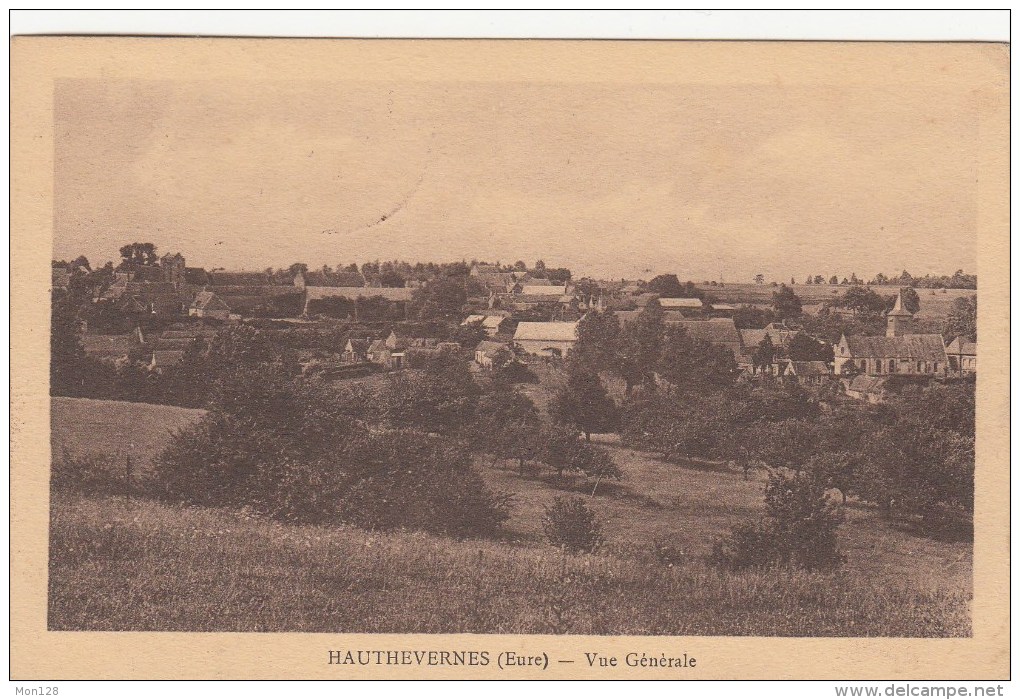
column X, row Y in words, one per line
column 299, row 452
column 570, row 524
column 798, row 530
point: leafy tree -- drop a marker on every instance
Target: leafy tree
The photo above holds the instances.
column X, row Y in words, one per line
column 759, row 278
column 962, row 319
column 439, row 398
column 799, row 529
column 764, row 356
column 390, row 279
column 469, row 336
column 585, row 403
column 138, row 254
column 834, row 280
column 803, row 347
column 70, row 369
column 752, row 317
column 440, row 299
column 809, row 280
column 819, row 279
column 786, row 303
column 690, row 364
column 667, row 286
column 594, row 462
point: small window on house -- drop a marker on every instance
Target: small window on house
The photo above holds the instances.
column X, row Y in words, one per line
column 919, row 367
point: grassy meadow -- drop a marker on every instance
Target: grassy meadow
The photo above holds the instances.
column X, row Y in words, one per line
column 935, row 303
column 133, row 564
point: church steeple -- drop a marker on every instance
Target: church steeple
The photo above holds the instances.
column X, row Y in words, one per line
column 897, row 321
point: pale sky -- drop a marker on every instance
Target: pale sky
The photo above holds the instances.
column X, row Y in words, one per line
column 611, row 181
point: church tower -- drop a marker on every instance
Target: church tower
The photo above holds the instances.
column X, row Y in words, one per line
column 897, row 321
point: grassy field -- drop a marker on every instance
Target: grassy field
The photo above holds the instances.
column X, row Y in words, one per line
column 90, row 427
column 119, row 564
column 935, row 303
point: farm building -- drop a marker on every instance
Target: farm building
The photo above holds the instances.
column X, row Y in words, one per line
column 679, row 304
column 355, row 351
column 209, row 305
column 492, row 324
column 162, row 359
column 547, row 338
column 807, row 372
column 898, row 352
column 485, row 351
column 962, row 355
column 865, row 388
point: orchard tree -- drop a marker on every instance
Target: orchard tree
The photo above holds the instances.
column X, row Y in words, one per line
column 585, row 403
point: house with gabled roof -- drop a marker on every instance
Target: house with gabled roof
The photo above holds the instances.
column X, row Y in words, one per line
column 546, row 338
column 209, row 305
column 962, row 355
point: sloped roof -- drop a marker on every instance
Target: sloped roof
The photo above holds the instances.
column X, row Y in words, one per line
column 898, row 309
column 724, row 307
column 547, row 290
column 680, row 303
column 106, row 345
column 926, row 347
column 536, row 281
column 378, row 346
column 807, row 368
column 489, row 346
column 359, row 345
column 167, row 358
column 482, row 269
column 209, row 301
column 960, row 346
column 473, row 318
column 644, row 298
column 720, row 331
column 546, row 330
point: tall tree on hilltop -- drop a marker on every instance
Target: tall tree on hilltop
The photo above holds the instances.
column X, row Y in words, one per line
column 786, row 303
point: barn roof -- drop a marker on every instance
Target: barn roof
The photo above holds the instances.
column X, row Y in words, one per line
column 546, row 330
column 927, row 347
column 209, row 301
column 680, row 303
column 960, row 346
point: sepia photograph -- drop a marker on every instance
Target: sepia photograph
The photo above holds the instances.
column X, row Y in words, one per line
column 404, row 354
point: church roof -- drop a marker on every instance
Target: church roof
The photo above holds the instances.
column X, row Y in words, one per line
column 926, row 347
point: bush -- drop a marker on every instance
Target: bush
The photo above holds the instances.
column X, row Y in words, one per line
column 569, row 523
column 297, row 451
column 799, row 529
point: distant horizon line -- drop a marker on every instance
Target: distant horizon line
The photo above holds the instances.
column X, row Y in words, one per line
column 784, row 279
